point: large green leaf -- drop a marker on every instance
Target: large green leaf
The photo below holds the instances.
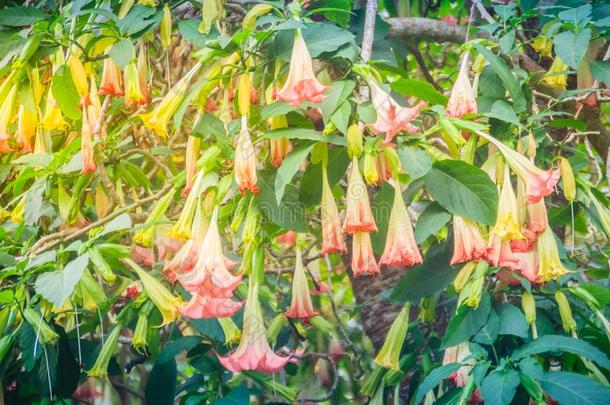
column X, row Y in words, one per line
column 57, row 286
column 433, row 379
column 433, row 275
column 499, row 387
column 430, row 221
column 20, row 16
column 290, row 166
column 463, row 189
column 467, row 322
column 571, row 47
column 507, row 77
column 420, row 89
column 305, row 134
column 290, row 213
column 548, row 343
column 489, row 333
column 512, row 320
column 237, row 396
column 64, row 92
column 162, row 381
column 336, row 95
column 122, row 52
column 572, row 388
column 415, row 161
column 601, row 71
column 310, row 191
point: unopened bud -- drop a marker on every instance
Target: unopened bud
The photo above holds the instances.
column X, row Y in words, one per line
column 567, row 320
column 275, row 327
column 528, row 304
column 371, row 174
column 255, row 12
column 45, row 333
column 354, row 141
column 230, row 330
column 243, row 93
column 567, row 180
column 463, row 276
column 166, row 28
column 478, row 64
column 139, row 335
column 392, row 160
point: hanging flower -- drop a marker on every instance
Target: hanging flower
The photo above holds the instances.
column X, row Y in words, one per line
column 363, row 259
column 182, row 228
column 192, row 155
column 538, row 183
column 134, row 96
column 556, row 76
column 86, row 146
column 301, row 83
column 468, row 244
column 459, row 354
column 245, row 160
column 279, row 148
column 551, row 267
column 211, row 272
column 100, row 367
column 537, row 220
column 499, row 252
column 6, row 116
column 111, row 79
column 358, row 216
column 300, row 306
column 462, row 100
column 332, row 234
column 253, row 352
column 146, row 235
column 142, row 68
column 26, row 128
column 203, row 306
column 53, row 118
column 392, row 118
column 527, row 264
column 158, row 119
column 287, row 238
column 79, row 77
column 507, row 225
column 389, row 355
column 400, row 247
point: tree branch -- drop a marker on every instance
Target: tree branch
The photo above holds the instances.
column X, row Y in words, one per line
column 418, row 28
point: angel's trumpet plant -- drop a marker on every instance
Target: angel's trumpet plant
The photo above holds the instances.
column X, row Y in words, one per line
column 100, row 367
column 389, row 355
column 507, row 225
column 301, row 84
column 551, row 267
column 134, row 96
column 400, row 247
column 333, row 240
column 358, row 216
column 245, row 160
column 79, row 77
column 27, row 121
column 111, row 84
column 253, row 352
column 462, row 100
column 158, row 119
column 86, row 145
column 181, row 230
column 468, row 243
column 363, row 258
column 300, row 305
column 392, row 118
column 6, row 116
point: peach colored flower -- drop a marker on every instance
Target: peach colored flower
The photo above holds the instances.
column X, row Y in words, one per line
column 499, row 253
column 301, row 305
column 358, row 216
column 537, row 220
column 301, row 83
column 245, row 160
column 111, row 79
column 462, row 100
column 551, row 267
column 459, row 354
column 333, row 240
column 26, row 128
column 86, row 146
column 203, row 306
column 392, row 118
column 468, row 244
column 400, row 247
column 507, row 225
column 363, row 259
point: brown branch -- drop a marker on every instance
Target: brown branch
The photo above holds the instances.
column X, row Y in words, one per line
column 418, row 28
column 422, row 66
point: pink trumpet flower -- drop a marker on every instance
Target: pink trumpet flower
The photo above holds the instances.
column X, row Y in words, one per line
column 301, row 83
column 300, row 306
column 363, row 259
column 392, row 118
column 468, row 244
column 86, row 146
column 537, row 220
column 254, row 352
column 499, row 253
column 202, row 306
column 400, row 247
column 245, row 160
column 358, row 216
column 333, row 240
column 462, row 100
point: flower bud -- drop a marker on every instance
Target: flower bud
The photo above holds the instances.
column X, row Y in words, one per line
column 463, row 276
column 427, row 309
column 243, row 93
column 322, row 325
column 389, row 355
column 230, row 330
column 567, row 320
column 275, row 327
column 255, row 12
column 567, row 180
column 354, row 141
column 139, row 335
column 100, row 368
column 528, row 304
column 166, row 28
column 371, row 174
column 478, row 64
column 392, row 160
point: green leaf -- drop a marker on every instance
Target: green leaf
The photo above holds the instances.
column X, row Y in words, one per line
column 336, row 96
column 499, row 387
column 366, row 112
column 275, row 109
column 567, row 123
column 290, row 166
column 489, row 333
column 573, row 388
column 576, row 15
column 549, row 343
column 122, row 52
column 305, row 134
column 512, row 321
column 189, row 29
column 290, row 213
column 120, row 223
column 20, row 16
column 237, row 396
column 420, row 89
column 415, row 161
column 503, row 111
column 138, row 19
column 64, row 92
column 571, row 47
column 601, row 71
column 467, row 322
column 161, row 385
column 433, row 379
column 57, row 286
column 433, row 275
column 507, row 77
column 310, row 189
column 430, row 221
column 175, row 347
column 341, row 117
column 464, row 190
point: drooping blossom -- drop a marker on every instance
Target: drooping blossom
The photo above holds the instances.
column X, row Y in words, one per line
column 462, row 100
column 499, row 252
column 193, row 145
column 278, row 148
column 142, row 67
column 211, row 272
column 134, row 96
column 111, row 84
column 245, row 160
column 389, row 355
column 400, row 247
column 333, row 240
column 537, row 220
column 392, row 118
column 301, row 84
column 79, row 77
column 287, row 238
column 459, row 354
column 26, row 128
column 181, row 230
column 528, row 264
column 551, row 267
column 204, row 306
column 300, row 305
column 507, row 225
column 86, row 145
column 363, row 258
column 6, row 113
column 538, row 183
column 158, row 119
column 253, row 352
column 468, row 244
column 53, row 118
column 557, row 74
column 358, row 215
